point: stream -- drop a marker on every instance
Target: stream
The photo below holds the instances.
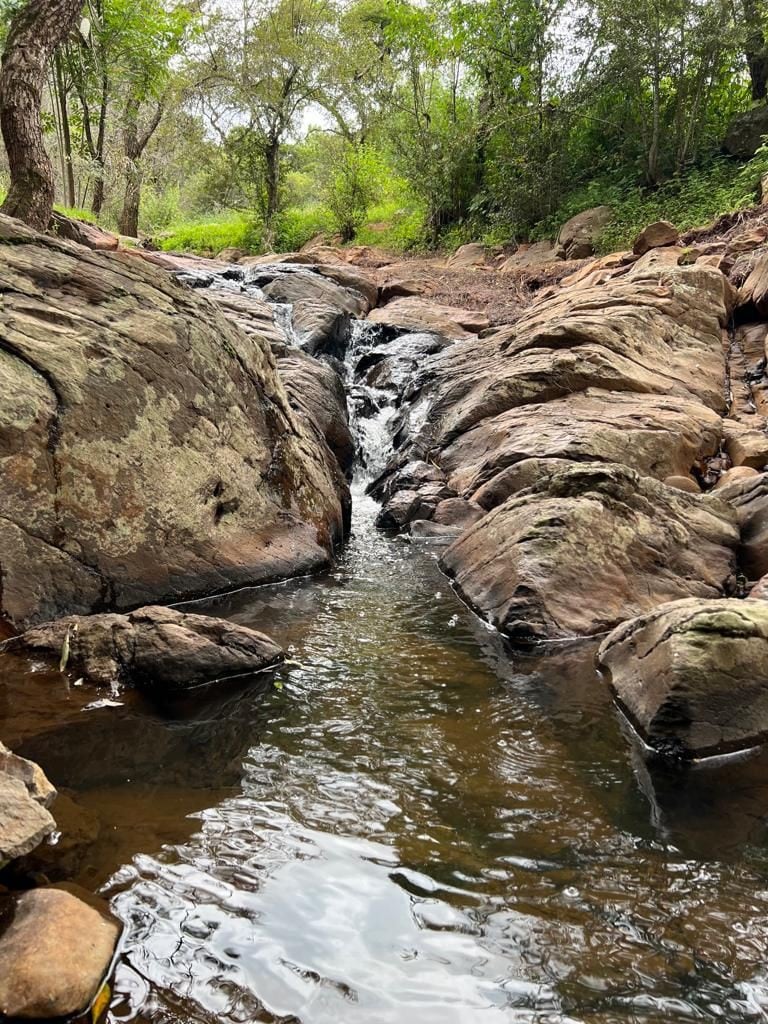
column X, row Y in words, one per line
column 408, row 824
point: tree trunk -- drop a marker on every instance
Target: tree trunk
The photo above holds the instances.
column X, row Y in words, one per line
column 272, row 162
column 35, row 32
column 98, row 156
column 756, row 50
column 134, row 144
column 66, row 137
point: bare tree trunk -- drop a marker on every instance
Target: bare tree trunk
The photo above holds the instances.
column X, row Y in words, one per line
column 272, row 162
column 35, row 32
column 134, row 144
column 66, row 136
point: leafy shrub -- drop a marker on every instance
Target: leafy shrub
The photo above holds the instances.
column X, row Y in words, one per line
column 233, row 231
column 296, row 225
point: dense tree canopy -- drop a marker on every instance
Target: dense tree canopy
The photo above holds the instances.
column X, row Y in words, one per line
column 349, row 116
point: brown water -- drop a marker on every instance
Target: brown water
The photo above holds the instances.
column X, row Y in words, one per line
column 417, row 828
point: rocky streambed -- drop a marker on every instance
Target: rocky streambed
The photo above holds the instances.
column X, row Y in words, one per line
column 589, row 478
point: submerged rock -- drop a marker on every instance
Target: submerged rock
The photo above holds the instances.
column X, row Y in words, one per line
column 154, row 646
column 25, row 795
column 148, row 450
column 588, row 546
column 692, row 675
column 55, row 955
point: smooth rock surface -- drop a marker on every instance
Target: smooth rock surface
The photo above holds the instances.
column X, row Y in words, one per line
column 153, row 646
column 54, row 955
column 692, row 675
column 418, row 314
column 588, row 546
column 147, row 446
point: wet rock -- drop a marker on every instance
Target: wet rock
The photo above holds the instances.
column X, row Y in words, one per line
column 418, row 314
column 576, row 240
column 660, row 233
column 587, row 547
column 407, row 506
column 80, row 231
column 410, row 476
column 147, row 446
column 252, row 315
column 683, row 483
column 25, row 795
column 54, row 955
column 440, row 533
column 470, row 255
column 692, row 675
column 153, row 647
column 745, row 132
column 457, row 512
column 392, row 366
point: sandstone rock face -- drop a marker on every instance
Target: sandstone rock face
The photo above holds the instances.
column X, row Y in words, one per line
column 54, row 955
column 149, row 451
column 25, row 795
column 83, row 233
column 588, row 546
column 415, row 314
column 692, row 675
column 660, row 233
column 576, row 240
column 153, row 647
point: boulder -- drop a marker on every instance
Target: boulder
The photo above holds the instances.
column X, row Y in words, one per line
column 80, row 231
column 692, row 675
column 152, row 647
column 750, row 499
column 25, row 795
column 659, row 436
column 55, row 954
column 316, row 392
column 754, row 290
column 745, row 132
column 147, row 446
column 418, row 314
column 735, row 473
column 660, row 233
column 470, row 255
column 530, row 257
column 457, row 512
column 231, row 255
column 683, row 483
column 746, row 442
column 588, row 546
column 576, row 239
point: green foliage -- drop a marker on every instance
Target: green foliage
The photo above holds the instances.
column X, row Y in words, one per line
column 233, row 231
column 294, row 227
column 351, row 187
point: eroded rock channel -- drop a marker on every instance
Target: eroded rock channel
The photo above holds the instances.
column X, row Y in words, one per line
column 373, row 648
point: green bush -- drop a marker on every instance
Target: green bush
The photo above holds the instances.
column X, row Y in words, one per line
column 296, row 225
column 233, row 231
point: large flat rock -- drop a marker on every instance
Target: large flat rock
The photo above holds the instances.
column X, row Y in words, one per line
column 692, row 675
column 588, row 546
column 147, row 446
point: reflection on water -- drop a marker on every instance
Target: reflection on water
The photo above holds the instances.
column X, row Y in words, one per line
column 415, row 829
